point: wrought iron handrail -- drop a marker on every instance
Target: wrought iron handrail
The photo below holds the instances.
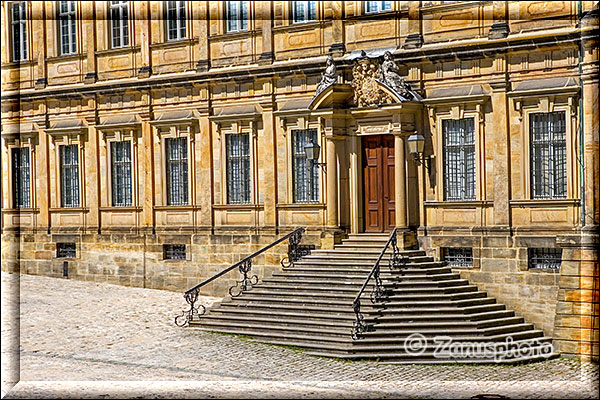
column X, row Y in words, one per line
column 295, row 252
column 378, row 292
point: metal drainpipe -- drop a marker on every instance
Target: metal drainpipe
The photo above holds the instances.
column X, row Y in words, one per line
column 581, row 138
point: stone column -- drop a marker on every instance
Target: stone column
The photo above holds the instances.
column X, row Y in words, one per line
column 204, row 184
column 147, row 172
column 39, row 43
column 332, row 184
column 400, row 181
column 91, row 178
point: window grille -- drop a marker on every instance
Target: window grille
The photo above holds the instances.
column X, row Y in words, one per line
column 304, row 11
column 548, row 155
column 459, row 159
column 19, row 31
column 238, row 169
column 69, row 175
column 21, row 180
column 378, row 6
column 174, row 252
column 237, row 16
column 119, row 23
column 459, row 257
column 66, row 250
column 121, row 173
column 67, row 32
column 177, row 171
column 175, row 20
column 549, row 259
column 305, row 172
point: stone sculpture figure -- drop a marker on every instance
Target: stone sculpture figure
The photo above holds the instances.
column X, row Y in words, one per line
column 329, row 77
column 389, row 74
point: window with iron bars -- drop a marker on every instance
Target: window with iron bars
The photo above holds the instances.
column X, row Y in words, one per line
column 119, row 22
column 19, row 31
column 66, row 250
column 544, row 258
column 459, row 159
column 238, row 168
column 67, row 30
column 175, row 11
column 177, row 171
column 304, row 11
column 378, row 6
column 69, row 175
column 458, row 257
column 21, row 178
column 121, row 173
column 174, row 252
column 548, row 155
column 237, row 15
column 305, row 172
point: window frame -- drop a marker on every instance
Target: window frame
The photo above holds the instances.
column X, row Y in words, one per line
column 71, row 15
column 21, row 26
column 122, row 7
column 185, row 186
column 551, row 164
column 308, row 18
column 463, row 261
column 242, row 21
column 313, row 188
column 114, row 189
column 63, row 203
column 531, row 256
column 380, row 5
column 245, row 196
column 59, row 250
column 180, row 23
column 171, row 254
column 15, row 173
column 445, row 165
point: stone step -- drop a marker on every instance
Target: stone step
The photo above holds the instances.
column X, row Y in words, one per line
column 363, row 257
column 390, row 285
column 365, row 251
column 353, row 279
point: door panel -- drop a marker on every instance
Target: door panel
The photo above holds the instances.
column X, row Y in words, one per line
column 379, row 191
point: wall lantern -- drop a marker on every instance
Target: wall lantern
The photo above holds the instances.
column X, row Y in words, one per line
column 312, row 151
column 416, row 145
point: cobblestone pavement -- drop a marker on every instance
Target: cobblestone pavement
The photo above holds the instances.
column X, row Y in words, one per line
column 96, row 340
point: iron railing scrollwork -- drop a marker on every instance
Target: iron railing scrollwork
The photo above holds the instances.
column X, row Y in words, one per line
column 378, row 292
column 295, row 252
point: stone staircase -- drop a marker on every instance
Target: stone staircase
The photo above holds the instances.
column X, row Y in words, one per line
column 310, row 306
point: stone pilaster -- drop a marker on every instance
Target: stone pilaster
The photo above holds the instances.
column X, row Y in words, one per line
column 89, row 27
column 204, row 153
column 332, row 183
column 400, row 180
column 337, row 48
column 91, row 182
column 265, row 13
column 501, row 151
column 147, row 172
column 414, row 36
column 200, row 25
column 267, row 161
column 499, row 28
column 38, row 21
column 143, row 13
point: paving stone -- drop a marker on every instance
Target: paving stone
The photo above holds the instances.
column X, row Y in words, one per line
column 83, row 339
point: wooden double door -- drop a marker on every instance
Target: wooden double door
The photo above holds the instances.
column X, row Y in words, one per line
column 378, row 181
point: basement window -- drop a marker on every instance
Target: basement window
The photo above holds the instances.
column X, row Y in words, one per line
column 545, row 259
column 174, row 252
column 460, row 257
column 65, row 250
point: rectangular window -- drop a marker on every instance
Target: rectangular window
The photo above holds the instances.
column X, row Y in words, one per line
column 237, row 16
column 67, row 32
column 458, row 257
column 238, row 169
column 119, row 23
column 548, row 259
column 66, row 250
column 121, row 173
column 174, row 252
column 69, row 175
column 305, row 172
column 177, row 171
column 175, row 20
column 21, row 180
column 459, row 159
column 19, row 31
column 304, row 11
column 378, row 6
column 548, row 155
